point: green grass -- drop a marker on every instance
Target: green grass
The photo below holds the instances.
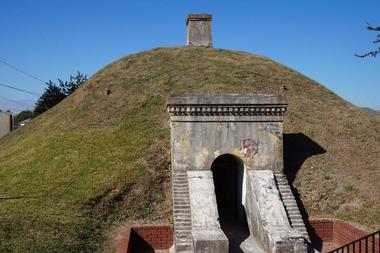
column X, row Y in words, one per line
column 96, row 160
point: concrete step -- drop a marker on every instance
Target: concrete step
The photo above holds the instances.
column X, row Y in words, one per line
column 183, row 214
column 183, row 229
column 181, row 202
column 297, row 219
column 293, row 212
column 181, row 195
column 298, row 225
column 183, row 235
column 180, row 179
column 292, row 207
column 183, row 247
column 188, row 218
column 290, row 202
column 287, row 196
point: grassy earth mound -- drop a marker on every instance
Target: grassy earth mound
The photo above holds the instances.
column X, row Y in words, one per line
column 101, row 156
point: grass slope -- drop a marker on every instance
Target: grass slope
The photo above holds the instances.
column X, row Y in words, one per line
column 102, row 155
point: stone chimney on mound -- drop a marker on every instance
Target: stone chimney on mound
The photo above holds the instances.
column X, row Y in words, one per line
column 199, row 30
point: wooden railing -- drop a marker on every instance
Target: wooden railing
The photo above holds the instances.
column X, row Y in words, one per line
column 367, row 244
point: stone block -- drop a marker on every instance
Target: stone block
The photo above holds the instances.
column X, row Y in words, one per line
column 199, row 30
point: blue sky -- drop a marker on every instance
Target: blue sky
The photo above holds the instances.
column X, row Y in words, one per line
column 53, row 39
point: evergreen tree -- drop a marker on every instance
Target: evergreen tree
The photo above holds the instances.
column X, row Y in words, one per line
column 54, row 93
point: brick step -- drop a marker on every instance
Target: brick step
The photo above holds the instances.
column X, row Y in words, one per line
column 183, row 235
column 294, row 215
column 185, row 247
column 181, row 188
column 287, row 196
column 184, row 179
column 297, row 218
column 180, row 175
column 179, row 182
column 183, row 229
column 181, row 209
column 302, row 230
column 181, row 202
column 182, row 219
column 298, row 224
column 283, row 187
column 180, row 191
column 180, row 195
column 286, row 193
column 182, row 216
column 290, row 202
column 182, row 206
column 177, row 200
column 184, row 238
column 292, row 207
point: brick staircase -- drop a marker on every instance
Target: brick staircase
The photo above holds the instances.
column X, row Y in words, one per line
column 291, row 207
column 182, row 212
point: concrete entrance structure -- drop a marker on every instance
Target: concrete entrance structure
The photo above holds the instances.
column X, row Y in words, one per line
column 6, row 123
column 226, row 150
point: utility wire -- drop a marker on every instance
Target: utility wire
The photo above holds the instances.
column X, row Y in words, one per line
column 21, row 90
column 22, row 71
column 16, row 102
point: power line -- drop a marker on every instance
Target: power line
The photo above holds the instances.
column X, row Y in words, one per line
column 22, row 71
column 16, row 102
column 21, row 90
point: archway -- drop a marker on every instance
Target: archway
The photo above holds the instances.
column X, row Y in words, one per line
column 228, row 174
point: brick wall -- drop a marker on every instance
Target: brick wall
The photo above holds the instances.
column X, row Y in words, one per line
column 334, row 233
column 156, row 236
column 321, row 230
column 323, row 233
column 144, row 238
column 345, row 233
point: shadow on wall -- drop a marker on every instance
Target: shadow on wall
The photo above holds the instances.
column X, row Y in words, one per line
column 139, row 244
column 297, row 148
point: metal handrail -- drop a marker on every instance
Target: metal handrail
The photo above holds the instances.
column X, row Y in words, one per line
column 366, row 244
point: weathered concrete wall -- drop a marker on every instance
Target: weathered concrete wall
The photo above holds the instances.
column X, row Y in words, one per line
column 6, row 124
column 205, row 126
column 246, row 125
column 208, row 237
column 258, row 144
column 266, row 215
column 199, row 30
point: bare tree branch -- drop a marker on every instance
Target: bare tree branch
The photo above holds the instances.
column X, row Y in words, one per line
column 372, row 53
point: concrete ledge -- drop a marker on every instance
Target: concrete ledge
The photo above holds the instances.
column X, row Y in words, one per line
column 207, row 235
column 266, row 215
column 215, row 98
column 210, row 242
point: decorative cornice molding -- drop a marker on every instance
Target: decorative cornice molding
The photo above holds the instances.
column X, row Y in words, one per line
column 227, row 110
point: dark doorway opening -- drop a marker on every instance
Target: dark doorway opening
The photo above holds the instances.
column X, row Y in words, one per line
column 228, row 172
